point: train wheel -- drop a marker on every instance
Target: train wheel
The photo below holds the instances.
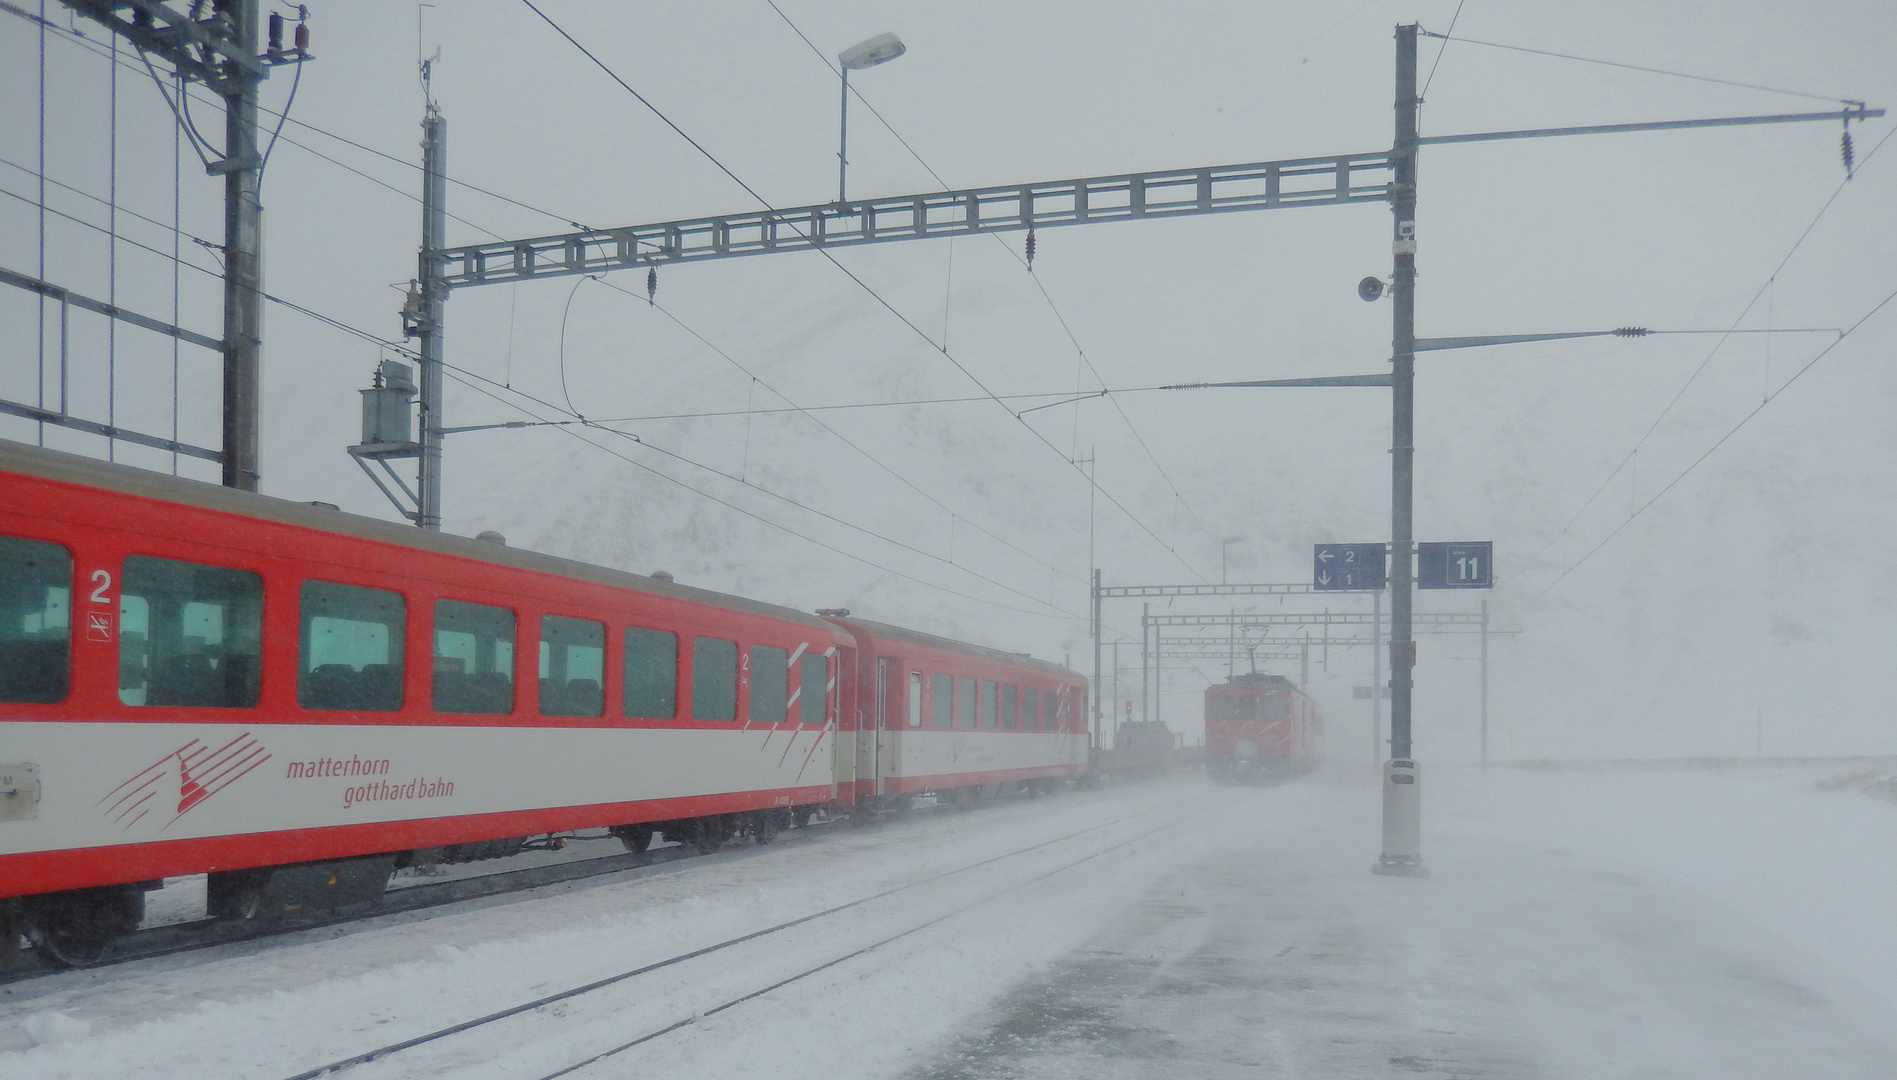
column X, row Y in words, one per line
column 235, row 894
column 800, row 816
column 637, row 838
column 73, row 929
column 711, row 833
column 11, row 928
column 768, row 824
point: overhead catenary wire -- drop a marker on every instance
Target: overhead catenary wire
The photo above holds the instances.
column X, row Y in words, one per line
column 182, row 111
column 1027, row 263
column 1709, row 451
column 1453, row 19
column 463, row 376
column 797, row 408
column 472, row 379
column 81, row 40
column 865, row 286
column 1065, row 397
column 1057, row 612
column 284, row 118
column 187, row 125
column 1445, row 38
column 44, row 209
column 851, row 405
column 100, row 199
column 1711, row 353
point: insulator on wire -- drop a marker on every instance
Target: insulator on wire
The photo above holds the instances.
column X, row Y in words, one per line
column 652, row 284
column 276, row 33
column 302, row 37
column 1849, row 163
column 1030, row 247
column 1632, row 331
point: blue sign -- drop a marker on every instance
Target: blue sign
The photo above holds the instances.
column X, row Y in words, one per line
column 1347, row 567
column 1463, row 565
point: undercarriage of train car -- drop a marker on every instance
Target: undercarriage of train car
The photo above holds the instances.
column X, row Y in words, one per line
column 76, row 927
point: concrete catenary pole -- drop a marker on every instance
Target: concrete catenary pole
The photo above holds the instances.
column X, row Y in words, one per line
column 1402, row 808
column 1146, row 636
column 1099, row 723
column 1485, row 684
column 243, row 265
column 1376, row 681
column 434, row 297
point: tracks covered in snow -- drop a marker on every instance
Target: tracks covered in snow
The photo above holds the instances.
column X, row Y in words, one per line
column 973, row 886
column 1620, row 924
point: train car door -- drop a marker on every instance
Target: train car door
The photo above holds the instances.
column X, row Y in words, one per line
column 869, row 738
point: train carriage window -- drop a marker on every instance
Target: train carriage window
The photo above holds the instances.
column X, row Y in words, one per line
column 770, row 685
column 1057, row 709
column 651, row 674
column 987, row 704
column 964, row 702
column 474, row 658
column 572, row 666
column 1009, row 718
column 915, row 699
column 1271, row 708
column 1030, row 708
column 714, row 679
column 349, row 647
column 35, row 627
column 942, row 701
column 813, row 676
column 189, row 634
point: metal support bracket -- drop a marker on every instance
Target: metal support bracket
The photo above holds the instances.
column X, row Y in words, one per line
column 381, row 453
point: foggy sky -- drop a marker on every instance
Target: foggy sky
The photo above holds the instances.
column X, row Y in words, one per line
column 1752, row 591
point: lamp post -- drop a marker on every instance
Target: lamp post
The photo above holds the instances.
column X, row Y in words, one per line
column 880, row 49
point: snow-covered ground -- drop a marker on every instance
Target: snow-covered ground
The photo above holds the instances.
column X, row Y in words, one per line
column 1612, row 923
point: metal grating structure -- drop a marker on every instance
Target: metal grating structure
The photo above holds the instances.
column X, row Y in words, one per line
column 1319, row 181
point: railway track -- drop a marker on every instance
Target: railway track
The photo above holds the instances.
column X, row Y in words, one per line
column 204, row 934
column 975, row 885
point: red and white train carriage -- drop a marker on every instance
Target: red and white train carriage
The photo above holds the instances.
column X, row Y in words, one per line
column 289, row 698
column 958, row 720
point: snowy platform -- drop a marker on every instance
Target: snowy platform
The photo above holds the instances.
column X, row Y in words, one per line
column 1610, row 923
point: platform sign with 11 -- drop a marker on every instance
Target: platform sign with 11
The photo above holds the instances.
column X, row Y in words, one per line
column 1457, row 565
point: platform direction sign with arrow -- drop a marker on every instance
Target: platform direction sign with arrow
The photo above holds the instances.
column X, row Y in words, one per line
column 1347, row 567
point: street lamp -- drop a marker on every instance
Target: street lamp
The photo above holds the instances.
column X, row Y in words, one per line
column 880, row 49
column 1225, row 546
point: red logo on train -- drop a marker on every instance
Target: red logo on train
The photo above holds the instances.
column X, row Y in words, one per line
column 182, row 779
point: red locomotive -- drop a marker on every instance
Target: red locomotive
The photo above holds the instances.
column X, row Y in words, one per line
column 297, row 701
column 1260, row 727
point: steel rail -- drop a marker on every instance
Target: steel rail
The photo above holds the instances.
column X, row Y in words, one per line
column 380, row 1052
